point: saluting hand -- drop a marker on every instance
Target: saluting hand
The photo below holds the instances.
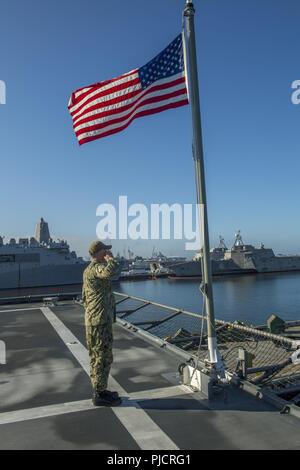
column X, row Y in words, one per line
column 108, row 256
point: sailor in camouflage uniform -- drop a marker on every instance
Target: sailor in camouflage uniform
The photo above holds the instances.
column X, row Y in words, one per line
column 99, row 304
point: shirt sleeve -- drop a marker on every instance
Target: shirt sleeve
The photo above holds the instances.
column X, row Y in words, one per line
column 106, row 271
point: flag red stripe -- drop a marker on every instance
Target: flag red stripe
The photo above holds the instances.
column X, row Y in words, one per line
column 111, row 102
column 155, row 99
column 163, row 86
column 97, row 85
column 124, row 97
column 101, row 94
column 141, row 114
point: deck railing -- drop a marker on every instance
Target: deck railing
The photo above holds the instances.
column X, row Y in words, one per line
column 268, row 355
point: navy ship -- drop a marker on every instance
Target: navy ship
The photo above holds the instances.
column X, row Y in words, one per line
column 240, row 259
column 39, row 261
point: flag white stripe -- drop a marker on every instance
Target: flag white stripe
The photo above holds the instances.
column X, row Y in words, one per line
column 114, row 82
column 155, row 93
column 138, row 110
column 105, row 98
column 86, row 89
column 110, row 85
column 80, row 114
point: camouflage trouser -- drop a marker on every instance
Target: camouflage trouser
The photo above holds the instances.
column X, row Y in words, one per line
column 99, row 341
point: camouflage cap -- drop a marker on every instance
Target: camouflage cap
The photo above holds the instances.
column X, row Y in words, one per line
column 97, row 246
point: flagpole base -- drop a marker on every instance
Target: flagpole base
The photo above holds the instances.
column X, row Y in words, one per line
column 206, row 381
column 215, row 360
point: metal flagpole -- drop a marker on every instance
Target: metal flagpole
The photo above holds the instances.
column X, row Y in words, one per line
column 214, row 356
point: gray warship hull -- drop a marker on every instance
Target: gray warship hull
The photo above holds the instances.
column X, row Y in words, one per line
column 219, row 268
column 15, row 277
column 39, row 261
column 241, row 261
column 44, row 276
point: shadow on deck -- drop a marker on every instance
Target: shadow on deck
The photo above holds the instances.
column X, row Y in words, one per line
column 45, row 394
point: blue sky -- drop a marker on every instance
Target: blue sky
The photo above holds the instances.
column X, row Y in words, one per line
column 247, row 60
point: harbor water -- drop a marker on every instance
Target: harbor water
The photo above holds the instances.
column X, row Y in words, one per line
column 250, row 298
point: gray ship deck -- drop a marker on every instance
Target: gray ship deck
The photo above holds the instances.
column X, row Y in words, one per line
column 45, row 394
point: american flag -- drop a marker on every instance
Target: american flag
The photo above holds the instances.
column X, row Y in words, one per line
column 110, row 106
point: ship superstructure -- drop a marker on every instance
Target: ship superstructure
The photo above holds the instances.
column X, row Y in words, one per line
column 240, row 259
column 38, row 261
